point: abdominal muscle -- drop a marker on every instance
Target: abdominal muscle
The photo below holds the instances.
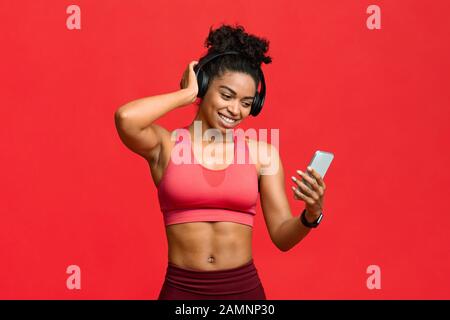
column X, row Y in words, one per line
column 209, row 245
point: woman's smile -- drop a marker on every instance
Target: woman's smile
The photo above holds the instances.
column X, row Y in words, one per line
column 226, row 121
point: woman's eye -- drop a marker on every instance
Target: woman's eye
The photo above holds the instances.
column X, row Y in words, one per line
column 226, row 97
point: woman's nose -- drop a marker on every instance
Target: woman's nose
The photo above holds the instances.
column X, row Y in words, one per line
column 233, row 108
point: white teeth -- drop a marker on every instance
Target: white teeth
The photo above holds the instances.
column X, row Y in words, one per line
column 227, row 119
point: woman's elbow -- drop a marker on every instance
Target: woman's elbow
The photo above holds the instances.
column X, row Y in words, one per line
column 282, row 247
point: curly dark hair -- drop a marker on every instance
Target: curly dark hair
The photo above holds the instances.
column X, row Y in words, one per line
column 234, row 38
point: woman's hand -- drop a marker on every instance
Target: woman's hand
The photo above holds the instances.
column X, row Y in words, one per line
column 313, row 196
column 189, row 80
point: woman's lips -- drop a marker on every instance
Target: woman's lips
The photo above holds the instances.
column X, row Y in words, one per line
column 225, row 123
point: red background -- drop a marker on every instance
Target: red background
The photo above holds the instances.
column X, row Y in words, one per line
column 71, row 193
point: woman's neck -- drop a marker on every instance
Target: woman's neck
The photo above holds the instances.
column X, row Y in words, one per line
column 198, row 128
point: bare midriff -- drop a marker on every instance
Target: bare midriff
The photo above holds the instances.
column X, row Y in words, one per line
column 209, row 245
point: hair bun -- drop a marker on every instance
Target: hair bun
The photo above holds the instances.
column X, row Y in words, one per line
column 229, row 38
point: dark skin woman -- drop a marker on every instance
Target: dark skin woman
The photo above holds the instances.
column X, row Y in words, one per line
column 218, row 245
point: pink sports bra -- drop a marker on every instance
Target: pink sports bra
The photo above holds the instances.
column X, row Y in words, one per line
column 190, row 192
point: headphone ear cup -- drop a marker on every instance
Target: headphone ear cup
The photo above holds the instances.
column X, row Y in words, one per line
column 202, row 82
column 256, row 105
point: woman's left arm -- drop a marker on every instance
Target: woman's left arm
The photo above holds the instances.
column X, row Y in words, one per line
column 284, row 229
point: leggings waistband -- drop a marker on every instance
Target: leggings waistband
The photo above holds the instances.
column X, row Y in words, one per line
column 215, row 282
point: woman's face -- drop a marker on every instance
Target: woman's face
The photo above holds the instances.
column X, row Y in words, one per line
column 228, row 100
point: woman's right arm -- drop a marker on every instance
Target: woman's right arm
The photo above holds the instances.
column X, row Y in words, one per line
column 134, row 120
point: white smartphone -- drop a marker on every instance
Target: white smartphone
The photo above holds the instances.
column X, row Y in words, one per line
column 320, row 163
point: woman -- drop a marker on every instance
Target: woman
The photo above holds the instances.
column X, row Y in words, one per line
column 209, row 209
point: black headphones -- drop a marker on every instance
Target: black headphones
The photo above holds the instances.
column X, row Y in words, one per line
column 203, row 79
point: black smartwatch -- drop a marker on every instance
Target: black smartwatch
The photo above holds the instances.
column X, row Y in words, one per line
column 310, row 224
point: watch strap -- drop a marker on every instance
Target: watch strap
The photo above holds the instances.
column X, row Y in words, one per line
column 308, row 224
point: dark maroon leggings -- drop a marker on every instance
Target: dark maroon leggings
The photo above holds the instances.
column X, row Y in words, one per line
column 241, row 283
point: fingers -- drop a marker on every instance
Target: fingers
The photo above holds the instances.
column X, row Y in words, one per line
column 312, row 186
column 313, row 195
column 303, row 187
column 301, row 196
column 188, row 74
column 317, row 176
column 311, row 181
column 192, row 64
column 192, row 71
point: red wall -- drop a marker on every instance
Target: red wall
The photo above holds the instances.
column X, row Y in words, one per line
column 72, row 194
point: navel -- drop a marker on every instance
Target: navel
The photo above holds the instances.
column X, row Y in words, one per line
column 211, row 259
